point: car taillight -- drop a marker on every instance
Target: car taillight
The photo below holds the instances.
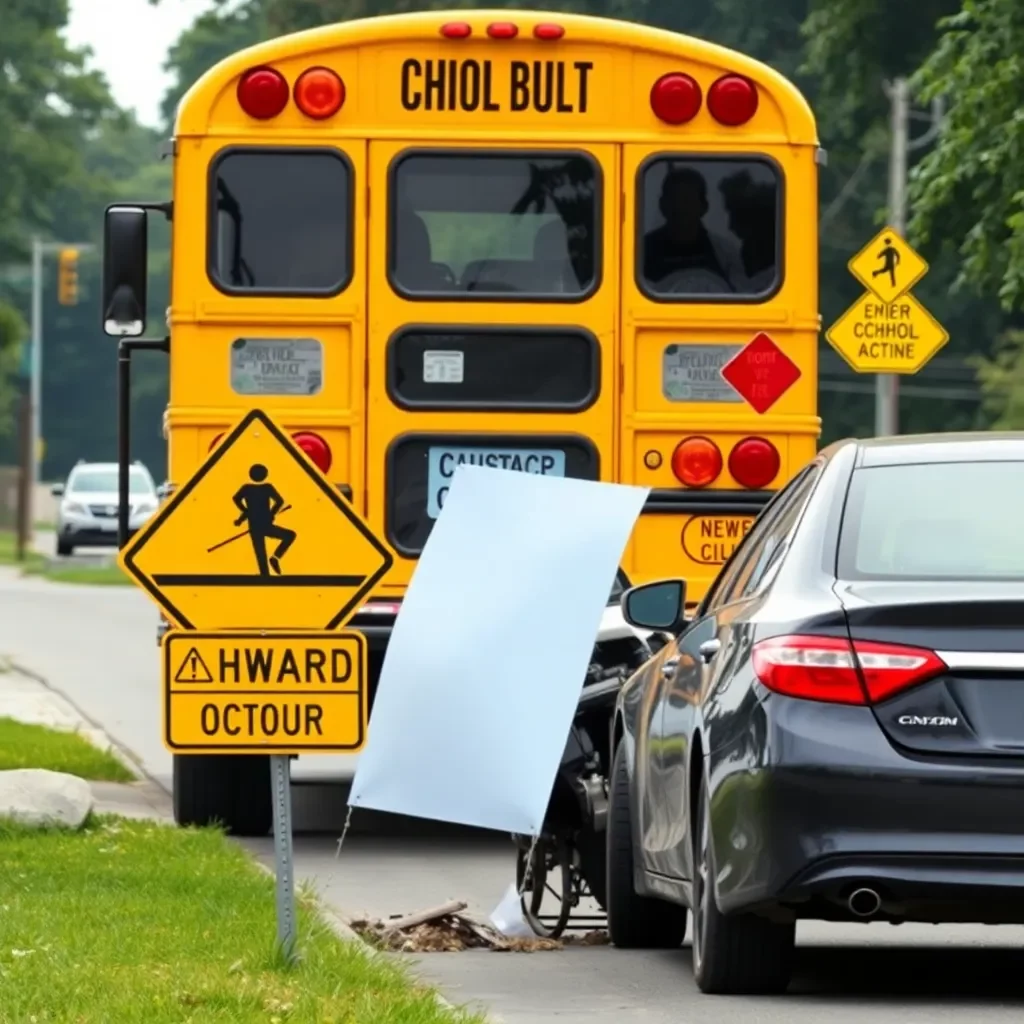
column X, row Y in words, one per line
column 316, row 448
column 696, row 462
column 675, row 98
column 732, row 100
column 831, row 669
column 262, row 93
column 456, row 30
column 754, row 463
column 319, row 93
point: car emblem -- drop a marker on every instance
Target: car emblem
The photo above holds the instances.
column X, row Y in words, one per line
column 111, row 510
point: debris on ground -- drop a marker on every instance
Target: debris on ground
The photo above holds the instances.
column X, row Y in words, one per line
column 450, row 929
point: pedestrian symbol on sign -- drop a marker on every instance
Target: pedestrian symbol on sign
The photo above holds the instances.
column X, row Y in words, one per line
column 260, row 504
column 890, row 258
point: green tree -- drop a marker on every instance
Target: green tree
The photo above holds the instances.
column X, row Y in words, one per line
column 969, row 190
column 48, row 106
column 217, row 33
column 1002, row 382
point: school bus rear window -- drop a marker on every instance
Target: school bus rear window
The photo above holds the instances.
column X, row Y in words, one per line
column 709, row 229
column 281, row 221
column 487, row 225
column 527, row 369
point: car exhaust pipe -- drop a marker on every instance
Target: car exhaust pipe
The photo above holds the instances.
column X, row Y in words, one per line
column 864, row 902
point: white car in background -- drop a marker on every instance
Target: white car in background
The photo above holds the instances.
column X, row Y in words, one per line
column 87, row 515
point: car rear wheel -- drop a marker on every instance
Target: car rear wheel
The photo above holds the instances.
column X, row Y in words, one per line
column 227, row 790
column 634, row 922
column 733, row 954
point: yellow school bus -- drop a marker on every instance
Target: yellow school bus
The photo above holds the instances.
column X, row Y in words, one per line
column 552, row 243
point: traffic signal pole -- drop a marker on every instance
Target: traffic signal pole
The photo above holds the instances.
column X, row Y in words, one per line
column 39, row 250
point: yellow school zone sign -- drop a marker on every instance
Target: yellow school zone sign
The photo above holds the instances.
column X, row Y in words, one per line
column 258, row 538
column 887, row 330
column 239, row 692
column 887, row 337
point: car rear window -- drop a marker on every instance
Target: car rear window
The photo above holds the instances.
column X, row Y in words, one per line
column 950, row 520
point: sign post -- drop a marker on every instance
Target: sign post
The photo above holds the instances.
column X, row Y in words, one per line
column 887, row 330
column 259, row 563
column 280, row 780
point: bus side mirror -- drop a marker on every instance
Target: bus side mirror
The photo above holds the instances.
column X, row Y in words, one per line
column 125, row 272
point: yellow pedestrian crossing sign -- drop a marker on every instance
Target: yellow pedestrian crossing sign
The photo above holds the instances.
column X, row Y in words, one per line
column 258, row 538
column 887, row 266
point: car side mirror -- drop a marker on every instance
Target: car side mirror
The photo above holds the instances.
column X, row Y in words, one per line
column 125, row 271
column 659, row 606
column 57, row 490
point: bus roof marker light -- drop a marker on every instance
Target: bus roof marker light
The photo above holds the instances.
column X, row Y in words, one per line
column 547, row 30
column 262, row 93
column 319, row 93
column 502, row 30
column 676, row 98
column 733, row 100
column 457, row 30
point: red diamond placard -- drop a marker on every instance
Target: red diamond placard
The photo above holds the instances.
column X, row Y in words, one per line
column 761, row 373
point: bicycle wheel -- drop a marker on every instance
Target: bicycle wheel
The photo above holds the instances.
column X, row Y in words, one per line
column 547, row 899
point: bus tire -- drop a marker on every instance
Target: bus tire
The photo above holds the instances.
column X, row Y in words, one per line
column 232, row 791
column 634, row 921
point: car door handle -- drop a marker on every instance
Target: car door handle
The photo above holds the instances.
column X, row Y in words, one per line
column 709, row 649
column 668, row 668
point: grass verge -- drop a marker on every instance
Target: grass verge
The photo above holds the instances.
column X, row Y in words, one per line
column 35, row 564
column 35, row 746
column 143, row 924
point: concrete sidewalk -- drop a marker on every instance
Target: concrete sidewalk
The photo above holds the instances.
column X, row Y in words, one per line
column 26, row 698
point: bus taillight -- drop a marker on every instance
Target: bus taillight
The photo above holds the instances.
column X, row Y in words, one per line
column 316, row 448
column 456, row 30
column 754, row 463
column 262, row 93
column 502, row 30
column 319, row 93
column 732, row 100
column 697, row 462
column 675, row 98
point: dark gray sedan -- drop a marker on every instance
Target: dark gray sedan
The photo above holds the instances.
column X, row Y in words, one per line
column 838, row 732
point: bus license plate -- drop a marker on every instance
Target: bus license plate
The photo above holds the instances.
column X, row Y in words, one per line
column 442, row 463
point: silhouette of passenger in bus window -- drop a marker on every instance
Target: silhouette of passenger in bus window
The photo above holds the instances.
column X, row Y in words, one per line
column 682, row 254
column 753, row 219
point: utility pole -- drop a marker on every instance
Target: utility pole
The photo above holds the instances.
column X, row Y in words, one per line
column 887, row 390
column 39, row 250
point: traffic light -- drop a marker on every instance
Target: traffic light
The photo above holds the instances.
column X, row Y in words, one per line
column 67, row 279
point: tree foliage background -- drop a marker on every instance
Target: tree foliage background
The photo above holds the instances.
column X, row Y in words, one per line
column 68, row 151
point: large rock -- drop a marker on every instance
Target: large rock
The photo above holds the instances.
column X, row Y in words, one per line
column 36, row 797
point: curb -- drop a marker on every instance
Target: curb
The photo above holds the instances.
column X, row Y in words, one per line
column 344, row 931
column 128, row 758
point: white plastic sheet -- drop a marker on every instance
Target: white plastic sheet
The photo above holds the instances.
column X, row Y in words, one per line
column 488, row 655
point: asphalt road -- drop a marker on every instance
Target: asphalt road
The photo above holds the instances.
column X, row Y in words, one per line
column 96, row 645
